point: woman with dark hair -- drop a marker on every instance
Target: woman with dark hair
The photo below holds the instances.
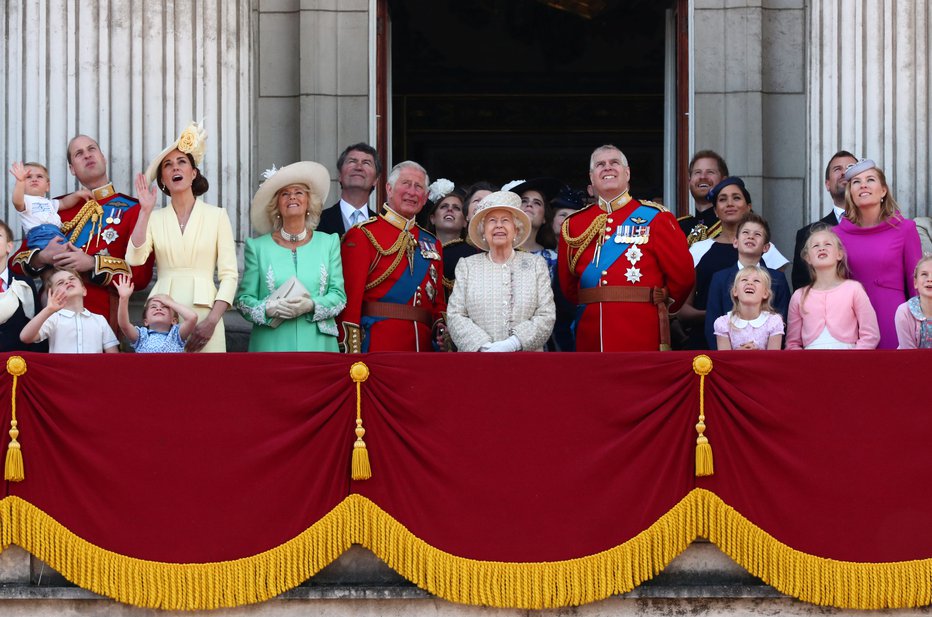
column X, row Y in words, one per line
column 535, row 201
column 882, row 246
column 191, row 239
column 474, row 194
column 447, row 221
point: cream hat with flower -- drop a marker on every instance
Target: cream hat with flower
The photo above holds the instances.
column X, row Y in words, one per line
column 193, row 141
column 309, row 173
column 499, row 200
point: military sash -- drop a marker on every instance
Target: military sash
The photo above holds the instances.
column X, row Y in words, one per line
column 401, row 292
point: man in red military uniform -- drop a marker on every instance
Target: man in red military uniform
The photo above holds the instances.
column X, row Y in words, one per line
column 392, row 273
column 97, row 234
column 623, row 262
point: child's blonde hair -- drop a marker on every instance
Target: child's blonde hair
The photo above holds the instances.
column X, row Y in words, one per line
column 743, row 274
column 841, row 268
column 925, row 257
column 145, row 309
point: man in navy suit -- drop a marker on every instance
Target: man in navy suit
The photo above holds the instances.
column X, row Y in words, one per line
column 358, row 170
column 835, row 184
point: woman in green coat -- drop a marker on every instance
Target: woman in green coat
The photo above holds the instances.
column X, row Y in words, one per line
column 292, row 284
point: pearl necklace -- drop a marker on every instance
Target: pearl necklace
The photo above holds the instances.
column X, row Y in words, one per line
column 294, row 238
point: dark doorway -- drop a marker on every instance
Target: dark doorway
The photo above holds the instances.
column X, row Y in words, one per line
column 509, row 89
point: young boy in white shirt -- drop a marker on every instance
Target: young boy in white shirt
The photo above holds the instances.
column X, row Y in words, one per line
column 37, row 213
column 69, row 327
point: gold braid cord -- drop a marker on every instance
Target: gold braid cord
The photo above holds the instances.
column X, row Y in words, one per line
column 582, row 241
column 402, row 245
column 89, row 211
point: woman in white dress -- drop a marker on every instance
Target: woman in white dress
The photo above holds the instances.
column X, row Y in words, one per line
column 502, row 299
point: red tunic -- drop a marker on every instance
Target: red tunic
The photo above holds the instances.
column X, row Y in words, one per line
column 368, row 255
column 664, row 262
column 108, row 248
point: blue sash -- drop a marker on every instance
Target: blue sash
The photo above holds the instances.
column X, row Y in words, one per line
column 116, row 207
column 402, row 291
column 610, row 252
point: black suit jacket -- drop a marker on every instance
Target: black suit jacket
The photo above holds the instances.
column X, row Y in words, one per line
column 331, row 221
column 800, row 270
column 9, row 330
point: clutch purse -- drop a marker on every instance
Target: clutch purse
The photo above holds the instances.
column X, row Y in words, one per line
column 292, row 288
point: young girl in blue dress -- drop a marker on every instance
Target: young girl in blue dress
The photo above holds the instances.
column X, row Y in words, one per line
column 161, row 332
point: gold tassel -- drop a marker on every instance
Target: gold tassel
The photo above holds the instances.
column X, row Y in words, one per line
column 361, row 470
column 702, row 365
column 13, row 469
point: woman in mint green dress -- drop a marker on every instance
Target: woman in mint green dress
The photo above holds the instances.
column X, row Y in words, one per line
column 292, row 284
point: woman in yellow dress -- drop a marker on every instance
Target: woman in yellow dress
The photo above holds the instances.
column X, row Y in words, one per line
column 191, row 239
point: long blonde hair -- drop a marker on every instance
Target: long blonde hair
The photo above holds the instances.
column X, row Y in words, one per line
column 765, row 306
column 841, row 268
column 888, row 206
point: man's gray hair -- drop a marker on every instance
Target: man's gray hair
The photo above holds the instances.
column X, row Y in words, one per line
column 624, row 159
column 396, row 171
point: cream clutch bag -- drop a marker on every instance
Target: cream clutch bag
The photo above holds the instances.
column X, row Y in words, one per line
column 292, row 288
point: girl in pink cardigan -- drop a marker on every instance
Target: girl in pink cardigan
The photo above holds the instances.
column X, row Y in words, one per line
column 833, row 312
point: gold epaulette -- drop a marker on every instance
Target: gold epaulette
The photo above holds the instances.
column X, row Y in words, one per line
column 654, row 204
column 684, row 217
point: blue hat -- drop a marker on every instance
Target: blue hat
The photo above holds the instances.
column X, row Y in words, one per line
column 729, row 181
column 859, row 167
column 570, row 198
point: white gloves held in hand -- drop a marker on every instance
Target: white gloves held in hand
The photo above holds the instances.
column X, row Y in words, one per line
column 288, row 308
column 512, row 343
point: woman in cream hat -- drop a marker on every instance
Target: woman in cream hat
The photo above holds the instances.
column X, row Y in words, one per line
column 502, row 299
column 292, row 287
column 191, row 239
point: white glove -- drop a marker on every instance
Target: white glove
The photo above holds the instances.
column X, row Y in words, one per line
column 512, row 343
column 288, row 308
column 301, row 305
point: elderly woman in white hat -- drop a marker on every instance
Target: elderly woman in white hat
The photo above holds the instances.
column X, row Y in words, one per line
column 292, row 286
column 191, row 239
column 502, row 299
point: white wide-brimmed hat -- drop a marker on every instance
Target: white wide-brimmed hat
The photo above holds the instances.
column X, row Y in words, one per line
column 193, row 141
column 499, row 200
column 309, row 173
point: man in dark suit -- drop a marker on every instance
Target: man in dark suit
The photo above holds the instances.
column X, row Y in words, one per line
column 835, row 184
column 358, row 170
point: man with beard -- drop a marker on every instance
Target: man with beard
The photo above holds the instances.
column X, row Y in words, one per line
column 835, row 184
column 706, row 169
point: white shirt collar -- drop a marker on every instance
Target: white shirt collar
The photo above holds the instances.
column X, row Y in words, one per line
column 5, row 275
column 757, row 322
column 347, row 209
column 839, row 213
column 69, row 313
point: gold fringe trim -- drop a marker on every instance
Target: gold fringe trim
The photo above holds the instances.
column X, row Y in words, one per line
column 526, row 585
column 620, row 569
column 173, row 586
column 827, row 582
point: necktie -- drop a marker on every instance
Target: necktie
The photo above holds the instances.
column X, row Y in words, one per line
column 357, row 218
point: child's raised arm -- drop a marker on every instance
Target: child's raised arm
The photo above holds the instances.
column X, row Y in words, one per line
column 125, row 287
column 78, row 198
column 187, row 314
column 30, row 332
column 19, row 189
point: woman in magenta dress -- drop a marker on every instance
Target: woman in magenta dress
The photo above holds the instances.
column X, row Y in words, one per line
column 882, row 246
